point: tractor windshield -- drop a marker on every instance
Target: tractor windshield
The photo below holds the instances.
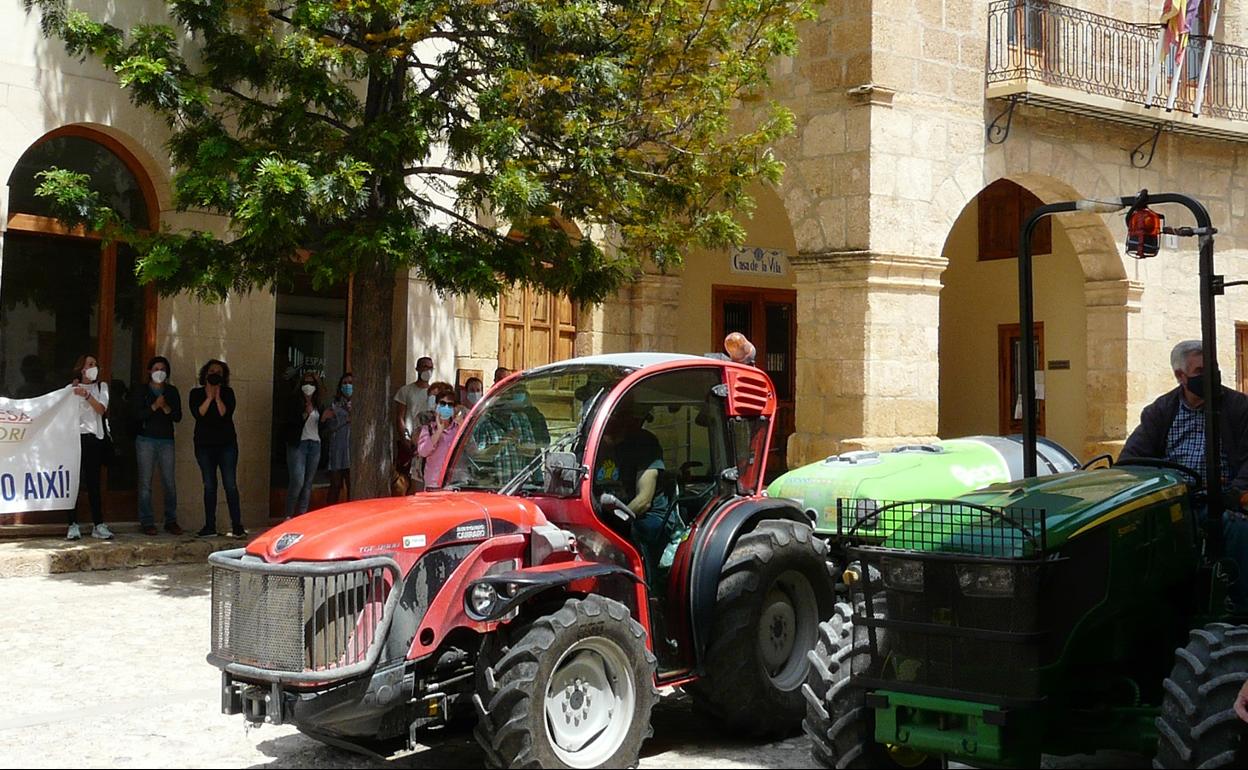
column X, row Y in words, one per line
column 517, row 422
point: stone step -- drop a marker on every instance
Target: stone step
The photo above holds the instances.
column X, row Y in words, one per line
column 50, row 556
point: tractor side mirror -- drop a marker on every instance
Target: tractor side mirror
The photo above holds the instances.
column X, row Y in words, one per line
column 610, row 502
column 563, row 473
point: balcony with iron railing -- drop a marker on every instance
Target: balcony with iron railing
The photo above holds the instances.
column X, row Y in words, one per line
column 1069, row 59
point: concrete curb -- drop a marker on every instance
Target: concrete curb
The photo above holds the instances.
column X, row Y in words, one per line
column 47, row 556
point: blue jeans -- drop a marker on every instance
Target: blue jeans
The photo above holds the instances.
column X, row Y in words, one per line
column 225, row 458
column 301, row 462
column 148, row 452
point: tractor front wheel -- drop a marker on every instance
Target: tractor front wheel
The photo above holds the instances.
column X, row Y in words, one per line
column 840, row 724
column 773, row 589
column 1198, row 726
column 572, row 689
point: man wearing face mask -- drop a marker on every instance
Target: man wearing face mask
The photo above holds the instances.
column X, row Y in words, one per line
column 412, row 400
column 473, row 389
column 1173, row 428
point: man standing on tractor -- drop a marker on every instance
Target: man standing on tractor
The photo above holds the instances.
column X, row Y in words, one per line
column 1173, row 428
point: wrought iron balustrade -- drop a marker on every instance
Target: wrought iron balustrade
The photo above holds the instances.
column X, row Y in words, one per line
column 1072, row 48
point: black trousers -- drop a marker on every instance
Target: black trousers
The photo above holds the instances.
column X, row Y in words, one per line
column 92, row 464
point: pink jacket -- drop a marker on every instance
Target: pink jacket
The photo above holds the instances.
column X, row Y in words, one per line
column 435, row 453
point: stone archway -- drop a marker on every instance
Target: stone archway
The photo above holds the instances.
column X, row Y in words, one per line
column 1109, row 307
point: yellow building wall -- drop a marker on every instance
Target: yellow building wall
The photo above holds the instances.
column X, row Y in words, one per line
column 976, row 299
column 768, row 228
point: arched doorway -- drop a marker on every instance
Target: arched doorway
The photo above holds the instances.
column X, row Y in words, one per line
column 1077, row 381
column 64, row 293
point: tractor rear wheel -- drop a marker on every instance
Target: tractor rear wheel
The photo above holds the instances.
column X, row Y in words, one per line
column 1198, row 726
column 573, row 688
column 773, row 589
column 840, row 724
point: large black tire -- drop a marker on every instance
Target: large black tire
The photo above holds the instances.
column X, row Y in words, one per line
column 512, row 697
column 838, row 721
column 1198, row 726
column 773, row 589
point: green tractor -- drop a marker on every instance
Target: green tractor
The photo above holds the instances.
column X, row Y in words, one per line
column 1060, row 615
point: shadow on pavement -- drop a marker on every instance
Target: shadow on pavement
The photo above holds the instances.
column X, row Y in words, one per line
column 300, row 751
column 172, row 580
column 680, row 728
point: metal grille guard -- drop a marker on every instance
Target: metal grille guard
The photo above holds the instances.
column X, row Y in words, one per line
column 299, row 630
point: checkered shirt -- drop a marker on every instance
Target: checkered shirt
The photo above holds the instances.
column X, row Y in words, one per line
column 509, row 461
column 1185, row 443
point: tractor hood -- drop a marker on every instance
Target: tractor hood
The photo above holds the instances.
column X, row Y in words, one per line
column 404, row 527
column 1079, row 502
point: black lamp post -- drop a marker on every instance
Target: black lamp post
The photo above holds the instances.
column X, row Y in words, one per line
column 1211, row 285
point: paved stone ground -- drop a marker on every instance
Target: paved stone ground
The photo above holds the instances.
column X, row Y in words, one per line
column 106, row 669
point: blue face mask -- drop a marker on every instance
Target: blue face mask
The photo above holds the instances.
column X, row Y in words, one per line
column 445, row 411
column 348, row 389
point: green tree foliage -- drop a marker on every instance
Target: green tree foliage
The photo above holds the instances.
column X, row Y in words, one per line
column 359, row 137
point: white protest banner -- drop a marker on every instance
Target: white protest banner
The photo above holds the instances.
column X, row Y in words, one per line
column 40, row 452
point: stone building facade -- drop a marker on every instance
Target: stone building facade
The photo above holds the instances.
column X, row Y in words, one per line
column 866, row 277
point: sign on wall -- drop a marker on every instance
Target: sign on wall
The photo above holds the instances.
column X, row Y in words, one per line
column 755, row 260
column 39, row 452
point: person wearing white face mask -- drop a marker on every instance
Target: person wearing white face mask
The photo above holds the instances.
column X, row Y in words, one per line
column 157, row 408
column 92, row 433
column 412, row 400
column 303, row 442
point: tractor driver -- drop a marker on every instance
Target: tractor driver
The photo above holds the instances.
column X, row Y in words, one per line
column 1173, row 428
column 630, row 460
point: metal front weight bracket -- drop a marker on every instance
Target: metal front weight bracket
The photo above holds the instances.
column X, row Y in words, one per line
column 231, row 698
column 259, row 706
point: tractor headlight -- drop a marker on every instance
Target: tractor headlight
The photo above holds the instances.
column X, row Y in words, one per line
column 986, row 580
column 482, row 598
column 903, row 574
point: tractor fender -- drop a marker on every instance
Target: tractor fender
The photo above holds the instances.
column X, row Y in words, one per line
column 712, row 545
column 517, row 587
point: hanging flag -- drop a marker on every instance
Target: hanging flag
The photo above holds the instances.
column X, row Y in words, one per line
column 1174, row 16
column 1192, row 18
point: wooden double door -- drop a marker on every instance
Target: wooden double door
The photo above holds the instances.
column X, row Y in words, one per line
column 535, row 328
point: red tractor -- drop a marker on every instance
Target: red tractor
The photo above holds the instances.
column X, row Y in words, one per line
column 599, row 532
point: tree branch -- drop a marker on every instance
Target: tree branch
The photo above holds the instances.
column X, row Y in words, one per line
column 439, row 171
column 338, row 124
column 344, row 39
column 480, row 228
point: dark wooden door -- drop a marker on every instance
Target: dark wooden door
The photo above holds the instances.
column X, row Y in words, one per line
column 769, row 318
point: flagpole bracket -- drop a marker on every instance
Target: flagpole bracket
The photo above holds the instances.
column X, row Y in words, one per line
column 998, row 132
column 1138, row 157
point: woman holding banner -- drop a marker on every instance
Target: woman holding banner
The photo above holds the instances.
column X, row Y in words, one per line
column 93, row 432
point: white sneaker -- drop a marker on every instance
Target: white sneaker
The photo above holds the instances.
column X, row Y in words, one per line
column 74, row 533
column 102, row 532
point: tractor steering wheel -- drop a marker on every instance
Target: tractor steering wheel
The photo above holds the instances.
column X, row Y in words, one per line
column 1157, row 462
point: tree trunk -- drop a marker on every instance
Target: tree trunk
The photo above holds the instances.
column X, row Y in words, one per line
column 372, row 429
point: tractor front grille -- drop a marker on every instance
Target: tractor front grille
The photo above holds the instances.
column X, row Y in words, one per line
column 950, row 603
column 309, row 621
